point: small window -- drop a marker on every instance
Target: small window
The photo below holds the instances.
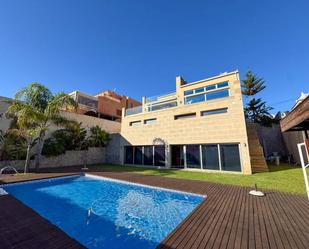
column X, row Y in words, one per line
column 135, row 123
column 189, row 92
column 222, row 84
column 212, row 112
column 150, row 121
column 185, row 116
column 212, row 87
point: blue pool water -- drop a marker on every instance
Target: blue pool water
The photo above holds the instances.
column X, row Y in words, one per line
column 122, row 215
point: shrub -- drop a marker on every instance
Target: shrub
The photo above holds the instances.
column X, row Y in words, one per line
column 52, row 147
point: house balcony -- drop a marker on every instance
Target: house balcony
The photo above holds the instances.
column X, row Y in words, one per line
column 154, row 103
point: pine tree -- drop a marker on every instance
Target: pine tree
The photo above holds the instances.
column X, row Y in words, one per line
column 256, row 110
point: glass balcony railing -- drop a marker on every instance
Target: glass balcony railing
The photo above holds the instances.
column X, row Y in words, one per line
column 155, row 103
column 134, row 110
column 160, row 97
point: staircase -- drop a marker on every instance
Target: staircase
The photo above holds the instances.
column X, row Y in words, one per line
column 258, row 162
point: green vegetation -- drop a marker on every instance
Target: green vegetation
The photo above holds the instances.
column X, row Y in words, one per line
column 98, row 137
column 283, row 178
column 256, row 109
column 74, row 137
column 35, row 109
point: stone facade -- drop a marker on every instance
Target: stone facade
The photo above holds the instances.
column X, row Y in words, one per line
column 222, row 128
column 70, row 158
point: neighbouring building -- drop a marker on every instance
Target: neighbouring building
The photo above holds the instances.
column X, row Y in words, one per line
column 105, row 105
column 199, row 126
column 87, row 121
column 295, row 126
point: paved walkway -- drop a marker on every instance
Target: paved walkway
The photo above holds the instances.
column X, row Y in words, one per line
column 227, row 218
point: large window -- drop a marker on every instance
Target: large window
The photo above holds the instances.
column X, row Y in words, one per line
column 210, row 92
column 193, row 156
column 159, row 155
column 221, row 157
column 145, row 155
column 230, row 160
column 128, row 155
column 87, row 101
column 210, row 157
column 217, row 94
column 148, row 155
column 138, row 155
column 195, row 99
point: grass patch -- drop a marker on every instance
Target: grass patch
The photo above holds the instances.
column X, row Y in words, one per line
column 283, row 178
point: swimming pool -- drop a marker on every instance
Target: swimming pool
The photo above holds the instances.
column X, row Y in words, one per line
column 103, row 213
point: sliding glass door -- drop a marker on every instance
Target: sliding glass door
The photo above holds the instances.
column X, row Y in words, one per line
column 210, row 157
column 177, row 156
column 230, row 159
column 193, row 159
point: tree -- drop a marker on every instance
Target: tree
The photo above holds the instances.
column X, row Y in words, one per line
column 256, row 110
column 24, row 125
column 252, row 85
column 44, row 108
column 98, row 137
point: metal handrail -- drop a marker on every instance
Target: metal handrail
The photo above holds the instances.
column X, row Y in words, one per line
column 303, row 165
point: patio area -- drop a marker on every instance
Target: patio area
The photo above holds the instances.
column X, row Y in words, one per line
column 228, row 218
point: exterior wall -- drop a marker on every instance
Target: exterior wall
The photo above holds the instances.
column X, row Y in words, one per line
column 109, row 106
column 89, row 121
column 221, row 128
column 271, row 140
column 291, row 139
column 4, row 122
column 70, row 158
column 113, row 155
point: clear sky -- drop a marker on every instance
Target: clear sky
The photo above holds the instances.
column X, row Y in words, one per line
column 138, row 47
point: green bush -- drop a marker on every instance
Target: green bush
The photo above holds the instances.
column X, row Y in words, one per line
column 98, row 137
column 52, row 147
column 14, row 147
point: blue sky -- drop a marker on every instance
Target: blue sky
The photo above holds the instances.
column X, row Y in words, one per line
column 138, row 47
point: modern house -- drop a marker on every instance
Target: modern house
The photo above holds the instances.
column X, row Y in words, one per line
column 106, row 105
column 200, row 126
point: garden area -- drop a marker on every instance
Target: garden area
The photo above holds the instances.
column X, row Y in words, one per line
column 37, row 128
column 285, row 178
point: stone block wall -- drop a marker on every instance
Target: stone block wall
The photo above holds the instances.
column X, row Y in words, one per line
column 70, row 158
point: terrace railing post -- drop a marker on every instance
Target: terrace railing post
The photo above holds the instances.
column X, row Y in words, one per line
column 304, row 166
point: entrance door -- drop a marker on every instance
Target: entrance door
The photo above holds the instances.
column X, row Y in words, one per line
column 177, row 156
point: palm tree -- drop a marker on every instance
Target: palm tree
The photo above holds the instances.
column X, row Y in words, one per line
column 44, row 108
column 98, row 137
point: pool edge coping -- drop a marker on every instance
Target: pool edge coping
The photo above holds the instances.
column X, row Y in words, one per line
column 142, row 185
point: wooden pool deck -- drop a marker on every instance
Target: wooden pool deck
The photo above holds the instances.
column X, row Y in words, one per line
column 227, row 218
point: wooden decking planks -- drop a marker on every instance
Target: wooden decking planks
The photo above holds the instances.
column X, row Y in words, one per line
column 21, row 227
column 228, row 218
